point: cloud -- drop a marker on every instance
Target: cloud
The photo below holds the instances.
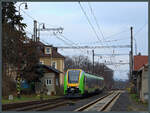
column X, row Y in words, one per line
column 113, row 17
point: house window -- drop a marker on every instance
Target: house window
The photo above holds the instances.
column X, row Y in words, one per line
column 47, row 50
column 48, row 82
column 41, row 62
column 54, row 65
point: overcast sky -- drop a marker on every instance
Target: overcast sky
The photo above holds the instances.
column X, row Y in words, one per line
column 114, row 19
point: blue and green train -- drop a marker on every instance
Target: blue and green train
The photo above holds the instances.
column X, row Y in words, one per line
column 78, row 83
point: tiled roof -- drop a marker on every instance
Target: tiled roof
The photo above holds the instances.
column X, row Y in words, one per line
column 55, row 54
column 48, row 67
column 139, row 61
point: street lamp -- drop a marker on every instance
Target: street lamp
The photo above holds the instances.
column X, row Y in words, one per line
column 26, row 6
column 61, row 30
column 39, row 28
column 19, row 76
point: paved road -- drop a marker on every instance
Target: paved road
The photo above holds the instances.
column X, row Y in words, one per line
column 122, row 103
column 125, row 103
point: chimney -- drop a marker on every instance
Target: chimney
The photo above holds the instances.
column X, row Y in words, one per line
column 139, row 54
column 55, row 48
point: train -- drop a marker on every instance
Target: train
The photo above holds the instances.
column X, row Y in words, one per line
column 78, row 83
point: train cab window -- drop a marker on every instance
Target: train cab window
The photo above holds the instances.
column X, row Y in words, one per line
column 73, row 76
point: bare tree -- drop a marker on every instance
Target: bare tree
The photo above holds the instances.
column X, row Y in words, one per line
column 84, row 63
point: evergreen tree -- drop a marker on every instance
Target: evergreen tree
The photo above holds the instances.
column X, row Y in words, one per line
column 14, row 49
column 10, row 16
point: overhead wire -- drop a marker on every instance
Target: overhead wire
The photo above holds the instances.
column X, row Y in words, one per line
column 117, row 33
column 67, row 39
column 96, row 42
column 28, row 14
column 98, row 26
column 138, row 31
column 71, row 42
column 59, row 37
column 89, row 21
column 141, row 28
column 92, row 12
column 39, row 23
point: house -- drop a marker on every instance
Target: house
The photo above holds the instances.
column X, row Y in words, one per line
column 138, row 62
column 142, row 83
column 49, row 56
column 140, row 76
column 49, row 82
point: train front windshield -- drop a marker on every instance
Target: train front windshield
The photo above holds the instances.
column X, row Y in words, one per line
column 73, row 76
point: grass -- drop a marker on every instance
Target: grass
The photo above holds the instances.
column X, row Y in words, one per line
column 27, row 98
column 135, row 97
column 137, row 105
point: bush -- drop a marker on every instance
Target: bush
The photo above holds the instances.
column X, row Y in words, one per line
column 29, row 90
column 135, row 97
column 60, row 90
column 26, row 91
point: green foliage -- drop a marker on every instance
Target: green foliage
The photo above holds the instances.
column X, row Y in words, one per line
column 16, row 54
column 29, row 90
column 11, row 36
column 9, row 15
column 135, row 97
column 27, row 98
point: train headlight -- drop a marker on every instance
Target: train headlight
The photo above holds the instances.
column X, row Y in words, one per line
column 72, row 89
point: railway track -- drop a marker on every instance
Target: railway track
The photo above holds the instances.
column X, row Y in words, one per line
column 35, row 105
column 101, row 104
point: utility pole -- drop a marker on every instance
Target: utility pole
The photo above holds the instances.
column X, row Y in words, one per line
column 35, row 31
column 102, row 69
column 93, row 61
column 131, row 52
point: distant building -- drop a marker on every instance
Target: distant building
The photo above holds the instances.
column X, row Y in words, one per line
column 49, row 56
